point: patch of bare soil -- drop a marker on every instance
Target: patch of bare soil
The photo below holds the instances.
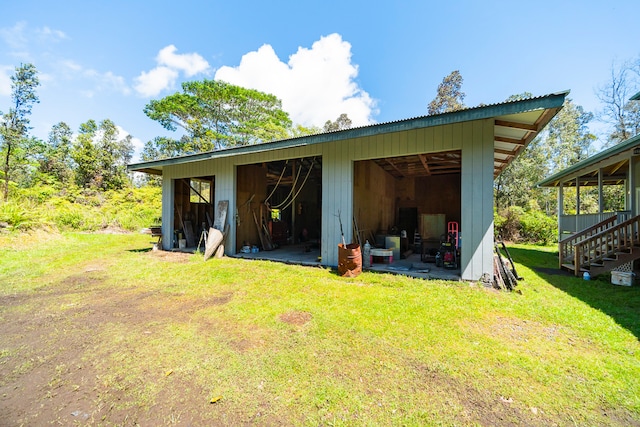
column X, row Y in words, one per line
column 112, row 229
column 170, row 256
column 297, row 318
column 50, row 373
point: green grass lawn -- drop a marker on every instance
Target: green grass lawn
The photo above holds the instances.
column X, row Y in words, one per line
column 131, row 336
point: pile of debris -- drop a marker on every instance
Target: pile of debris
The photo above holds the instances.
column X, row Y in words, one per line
column 505, row 275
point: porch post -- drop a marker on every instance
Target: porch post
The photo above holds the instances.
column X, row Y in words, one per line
column 168, row 211
column 577, row 202
column 631, row 188
column 600, row 195
column 560, row 209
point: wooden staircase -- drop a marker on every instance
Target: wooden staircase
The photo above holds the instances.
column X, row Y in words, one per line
column 601, row 248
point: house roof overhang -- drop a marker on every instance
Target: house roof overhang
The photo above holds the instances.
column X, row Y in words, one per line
column 516, row 123
column 611, row 162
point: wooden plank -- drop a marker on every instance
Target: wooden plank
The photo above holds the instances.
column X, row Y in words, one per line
column 188, row 234
column 517, row 125
column 260, row 234
column 220, row 251
column 221, row 215
column 213, row 241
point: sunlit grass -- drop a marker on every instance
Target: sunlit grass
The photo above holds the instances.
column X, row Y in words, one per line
column 377, row 349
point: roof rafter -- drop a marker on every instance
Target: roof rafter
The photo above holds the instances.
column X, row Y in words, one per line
column 517, row 125
column 424, row 163
column 509, row 140
column 395, row 167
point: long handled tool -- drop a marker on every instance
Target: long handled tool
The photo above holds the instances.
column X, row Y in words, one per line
column 255, row 219
column 341, row 231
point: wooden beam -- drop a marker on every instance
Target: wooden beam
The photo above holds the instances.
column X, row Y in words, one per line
column 424, row 163
column 617, row 166
column 509, row 140
column 516, row 125
column 395, row 167
column 506, row 152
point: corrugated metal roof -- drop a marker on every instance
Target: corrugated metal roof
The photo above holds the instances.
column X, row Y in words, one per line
column 544, row 102
column 587, row 164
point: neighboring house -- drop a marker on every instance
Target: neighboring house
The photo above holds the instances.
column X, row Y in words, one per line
column 386, row 176
column 599, row 242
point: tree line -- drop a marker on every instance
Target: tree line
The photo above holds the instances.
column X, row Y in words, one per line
column 565, row 141
column 214, row 115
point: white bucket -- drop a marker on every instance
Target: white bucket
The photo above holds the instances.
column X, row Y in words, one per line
column 182, row 243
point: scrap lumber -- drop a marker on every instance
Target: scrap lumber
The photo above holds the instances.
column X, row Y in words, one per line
column 220, row 251
column 503, row 276
column 513, row 265
column 260, row 236
column 213, row 241
column 221, row 215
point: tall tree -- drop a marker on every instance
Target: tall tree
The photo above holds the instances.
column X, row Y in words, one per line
column 217, row 114
column 568, row 137
column 621, row 114
column 101, row 157
column 449, row 96
column 14, row 124
column 86, row 156
column 162, row 147
column 114, row 154
column 342, row 122
column 299, row 130
column 55, row 160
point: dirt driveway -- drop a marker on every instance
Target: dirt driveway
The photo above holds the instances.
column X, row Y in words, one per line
column 52, row 362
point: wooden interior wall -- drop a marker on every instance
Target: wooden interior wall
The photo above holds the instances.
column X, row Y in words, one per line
column 310, row 216
column 182, row 204
column 374, row 193
column 251, row 181
column 185, row 210
column 439, row 195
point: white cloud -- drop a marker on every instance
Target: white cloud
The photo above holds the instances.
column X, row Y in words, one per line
column 15, row 37
column 100, row 81
column 49, row 34
column 164, row 76
column 155, row 81
column 315, row 85
column 189, row 63
column 20, row 39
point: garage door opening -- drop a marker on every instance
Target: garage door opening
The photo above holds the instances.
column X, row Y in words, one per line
column 407, row 205
column 279, row 210
column 194, row 213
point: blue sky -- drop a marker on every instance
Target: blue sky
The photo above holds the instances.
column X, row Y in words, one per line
column 376, row 61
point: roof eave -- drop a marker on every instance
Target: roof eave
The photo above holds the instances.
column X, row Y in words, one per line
column 551, row 101
column 555, row 179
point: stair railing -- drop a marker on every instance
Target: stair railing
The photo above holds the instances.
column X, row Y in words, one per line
column 566, row 246
column 595, row 248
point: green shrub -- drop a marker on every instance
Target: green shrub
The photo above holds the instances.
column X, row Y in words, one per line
column 536, row 227
column 517, row 225
column 507, row 225
column 73, row 208
column 19, row 216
